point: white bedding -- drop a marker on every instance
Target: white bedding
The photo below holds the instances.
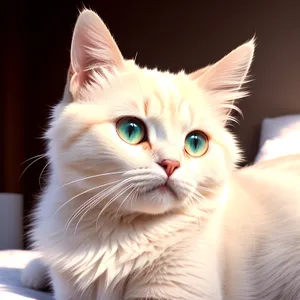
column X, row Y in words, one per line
column 279, row 136
column 11, row 288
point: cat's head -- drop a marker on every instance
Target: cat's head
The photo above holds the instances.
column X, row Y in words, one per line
column 146, row 140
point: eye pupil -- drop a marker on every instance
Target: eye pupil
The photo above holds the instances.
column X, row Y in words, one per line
column 195, row 141
column 130, row 129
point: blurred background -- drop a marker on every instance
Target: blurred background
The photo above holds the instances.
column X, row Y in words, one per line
column 173, row 35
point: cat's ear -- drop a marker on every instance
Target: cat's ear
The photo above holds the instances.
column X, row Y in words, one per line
column 92, row 48
column 224, row 79
column 197, row 74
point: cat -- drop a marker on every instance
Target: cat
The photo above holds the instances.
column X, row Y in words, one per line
column 145, row 199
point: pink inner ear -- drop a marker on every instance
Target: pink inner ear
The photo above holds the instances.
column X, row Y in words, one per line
column 195, row 75
column 77, row 80
column 93, row 45
column 92, row 48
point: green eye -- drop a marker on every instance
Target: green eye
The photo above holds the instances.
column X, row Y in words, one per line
column 196, row 143
column 131, row 130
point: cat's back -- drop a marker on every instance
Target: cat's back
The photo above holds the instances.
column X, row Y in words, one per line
column 268, row 184
column 288, row 163
column 262, row 231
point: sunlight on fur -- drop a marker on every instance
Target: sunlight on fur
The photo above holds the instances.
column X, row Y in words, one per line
column 141, row 175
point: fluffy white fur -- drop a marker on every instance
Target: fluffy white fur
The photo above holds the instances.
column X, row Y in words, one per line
column 104, row 230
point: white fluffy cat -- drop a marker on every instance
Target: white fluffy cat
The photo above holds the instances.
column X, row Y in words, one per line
column 143, row 200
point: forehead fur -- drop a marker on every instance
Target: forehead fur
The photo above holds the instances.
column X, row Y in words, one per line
column 150, row 94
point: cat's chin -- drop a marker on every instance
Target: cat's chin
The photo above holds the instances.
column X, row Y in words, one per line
column 156, row 201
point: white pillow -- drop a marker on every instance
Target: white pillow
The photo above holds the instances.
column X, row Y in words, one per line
column 280, row 136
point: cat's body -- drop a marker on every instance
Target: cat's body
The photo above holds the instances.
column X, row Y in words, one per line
column 144, row 201
column 261, row 232
column 249, row 250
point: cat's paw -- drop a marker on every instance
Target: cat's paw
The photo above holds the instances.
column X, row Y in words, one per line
column 34, row 275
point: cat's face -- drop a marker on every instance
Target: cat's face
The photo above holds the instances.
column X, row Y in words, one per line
column 146, row 141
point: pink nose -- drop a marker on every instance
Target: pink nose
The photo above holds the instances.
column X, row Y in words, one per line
column 169, row 166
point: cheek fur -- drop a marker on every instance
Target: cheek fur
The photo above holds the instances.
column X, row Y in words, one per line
column 212, row 166
column 99, row 146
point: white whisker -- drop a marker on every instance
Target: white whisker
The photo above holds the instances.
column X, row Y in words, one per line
column 134, row 198
column 82, row 193
column 40, row 156
column 29, row 166
column 40, row 177
column 91, row 177
column 111, row 201
column 133, row 190
column 101, row 196
column 82, row 208
column 90, row 204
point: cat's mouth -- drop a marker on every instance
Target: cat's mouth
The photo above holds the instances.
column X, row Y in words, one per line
column 162, row 188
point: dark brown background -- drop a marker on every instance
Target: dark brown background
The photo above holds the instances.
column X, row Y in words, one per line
column 35, row 42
